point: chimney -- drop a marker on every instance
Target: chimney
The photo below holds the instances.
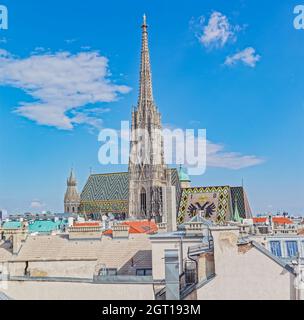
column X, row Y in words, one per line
column 172, row 274
column 120, row 231
column 85, row 231
column 225, row 239
column 70, row 221
column 197, row 229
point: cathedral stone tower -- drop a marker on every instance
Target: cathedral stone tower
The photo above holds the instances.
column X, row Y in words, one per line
column 147, row 170
column 71, row 198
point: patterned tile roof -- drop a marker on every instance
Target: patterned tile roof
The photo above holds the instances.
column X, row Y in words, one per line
column 110, row 192
column 224, row 207
column 111, row 186
column 242, row 202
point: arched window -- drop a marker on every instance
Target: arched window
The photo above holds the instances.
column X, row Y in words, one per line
column 143, row 202
column 73, row 209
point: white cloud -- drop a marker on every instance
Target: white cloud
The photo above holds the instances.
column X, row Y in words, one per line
column 36, row 204
column 248, row 57
column 217, row 157
column 62, row 85
column 217, row 31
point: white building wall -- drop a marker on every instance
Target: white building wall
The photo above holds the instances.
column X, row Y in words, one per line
column 34, row 290
column 158, row 253
column 244, row 273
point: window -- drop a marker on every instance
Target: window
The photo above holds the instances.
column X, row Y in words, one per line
column 275, row 247
column 108, row 272
column 144, row 272
column 292, row 248
column 143, row 202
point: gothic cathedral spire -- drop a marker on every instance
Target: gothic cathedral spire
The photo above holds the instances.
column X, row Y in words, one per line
column 145, row 86
column 147, row 170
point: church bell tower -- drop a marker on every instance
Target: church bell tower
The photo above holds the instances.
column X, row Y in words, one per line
column 71, row 198
column 148, row 172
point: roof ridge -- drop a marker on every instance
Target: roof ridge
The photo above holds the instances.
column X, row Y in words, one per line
column 107, row 174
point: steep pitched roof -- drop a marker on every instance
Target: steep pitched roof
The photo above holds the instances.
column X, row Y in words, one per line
column 113, row 188
column 243, row 206
column 110, row 186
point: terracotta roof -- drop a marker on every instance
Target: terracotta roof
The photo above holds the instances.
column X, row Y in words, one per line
column 259, row 219
column 144, row 227
column 87, row 224
column 281, row 220
column 277, row 220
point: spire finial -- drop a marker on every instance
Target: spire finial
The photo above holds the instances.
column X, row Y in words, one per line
column 144, row 19
column 145, row 90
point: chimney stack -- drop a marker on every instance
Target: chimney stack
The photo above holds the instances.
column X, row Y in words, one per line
column 120, row 231
column 172, row 274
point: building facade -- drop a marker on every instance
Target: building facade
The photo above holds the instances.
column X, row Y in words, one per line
column 72, row 197
column 147, row 170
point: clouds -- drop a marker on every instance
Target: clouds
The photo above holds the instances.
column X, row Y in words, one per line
column 37, row 204
column 217, row 157
column 216, row 154
column 217, row 32
column 62, row 85
column 247, row 57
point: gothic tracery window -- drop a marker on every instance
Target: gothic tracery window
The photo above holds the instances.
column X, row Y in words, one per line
column 143, row 201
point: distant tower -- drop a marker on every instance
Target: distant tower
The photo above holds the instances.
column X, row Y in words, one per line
column 71, row 198
column 148, row 172
column 184, row 178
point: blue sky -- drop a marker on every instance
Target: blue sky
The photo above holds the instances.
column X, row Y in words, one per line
column 235, row 68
